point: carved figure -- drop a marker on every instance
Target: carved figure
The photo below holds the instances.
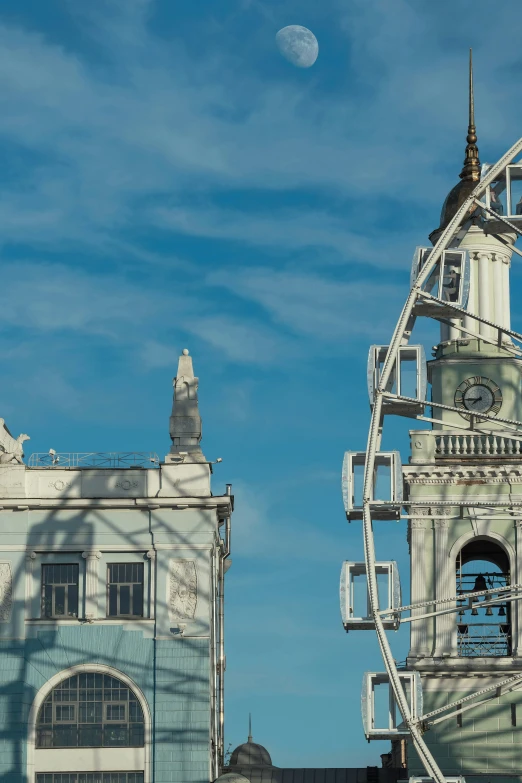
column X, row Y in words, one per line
column 6, row 592
column 11, row 449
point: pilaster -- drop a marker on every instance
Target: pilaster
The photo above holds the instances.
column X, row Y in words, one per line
column 151, row 554
column 489, row 258
column 516, row 606
column 91, row 584
column 419, row 526
column 485, row 291
column 444, row 584
column 29, row 567
column 506, row 264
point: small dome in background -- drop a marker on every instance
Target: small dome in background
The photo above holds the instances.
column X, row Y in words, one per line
column 232, row 777
column 250, row 754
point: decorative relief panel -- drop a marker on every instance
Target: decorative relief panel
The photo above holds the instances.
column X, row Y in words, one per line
column 125, row 484
column 114, row 483
column 182, row 590
column 56, row 483
column 6, row 592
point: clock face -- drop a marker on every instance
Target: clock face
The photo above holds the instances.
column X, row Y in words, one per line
column 478, row 395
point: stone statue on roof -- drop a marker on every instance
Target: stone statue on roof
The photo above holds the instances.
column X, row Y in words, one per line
column 185, row 421
column 11, row 449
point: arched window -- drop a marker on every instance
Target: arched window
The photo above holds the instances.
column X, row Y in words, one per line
column 483, row 630
column 90, row 710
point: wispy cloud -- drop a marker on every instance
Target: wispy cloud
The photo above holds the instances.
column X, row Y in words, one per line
column 288, row 230
column 161, row 122
column 315, row 306
column 54, row 298
column 295, row 538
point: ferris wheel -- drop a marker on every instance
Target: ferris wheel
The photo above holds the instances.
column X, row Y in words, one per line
column 439, row 291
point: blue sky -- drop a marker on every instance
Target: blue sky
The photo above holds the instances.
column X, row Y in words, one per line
column 170, row 181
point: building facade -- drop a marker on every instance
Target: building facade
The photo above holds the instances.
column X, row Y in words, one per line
column 111, row 611
column 456, row 547
column 252, row 763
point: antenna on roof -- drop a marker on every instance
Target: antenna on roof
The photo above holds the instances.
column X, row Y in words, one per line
column 250, row 727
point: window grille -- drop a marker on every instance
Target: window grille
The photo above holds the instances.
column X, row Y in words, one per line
column 89, row 777
column 60, row 590
column 125, row 590
column 90, row 710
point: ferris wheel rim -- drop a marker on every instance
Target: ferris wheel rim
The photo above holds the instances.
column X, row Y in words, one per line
column 400, row 337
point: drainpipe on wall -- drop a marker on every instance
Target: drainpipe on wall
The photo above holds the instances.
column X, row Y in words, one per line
column 153, row 577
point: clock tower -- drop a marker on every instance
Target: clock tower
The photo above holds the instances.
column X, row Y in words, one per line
column 458, row 543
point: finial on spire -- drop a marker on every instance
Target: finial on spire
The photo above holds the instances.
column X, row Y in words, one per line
column 185, row 421
column 471, row 168
column 250, row 727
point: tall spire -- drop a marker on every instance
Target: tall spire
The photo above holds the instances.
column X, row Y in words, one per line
column 471, row 169
column 470, row 174
column 185, row 421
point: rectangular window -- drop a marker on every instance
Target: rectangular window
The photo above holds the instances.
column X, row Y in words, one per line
column 125, row 590
column 60, row 590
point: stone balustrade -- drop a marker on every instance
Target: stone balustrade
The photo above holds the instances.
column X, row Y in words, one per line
column 429, row 446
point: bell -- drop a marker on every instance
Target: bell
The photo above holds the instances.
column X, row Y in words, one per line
column 489, row 612
column 502, row 611
column 474, row 611
column 480, row 584
column 461, row 613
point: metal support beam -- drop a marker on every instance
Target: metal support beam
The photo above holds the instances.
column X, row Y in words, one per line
column 462, row 597
column 515, row 679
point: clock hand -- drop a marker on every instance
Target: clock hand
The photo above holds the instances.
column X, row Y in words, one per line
column 474, row 399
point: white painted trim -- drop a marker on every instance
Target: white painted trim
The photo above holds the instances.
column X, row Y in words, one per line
column 79, row 669
column 144, row 504
column 205, row 547
column 88, row 760
column 95, row 620
column 106, row 548
column 177, row 636
column 484, row 533
column 41, row 550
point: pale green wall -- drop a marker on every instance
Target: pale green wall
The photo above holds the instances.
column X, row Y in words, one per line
column 173, row 672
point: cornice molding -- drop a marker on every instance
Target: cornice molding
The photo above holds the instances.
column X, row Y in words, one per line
column 461, row 475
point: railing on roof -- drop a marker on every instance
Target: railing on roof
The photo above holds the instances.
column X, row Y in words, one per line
column 94, row 459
